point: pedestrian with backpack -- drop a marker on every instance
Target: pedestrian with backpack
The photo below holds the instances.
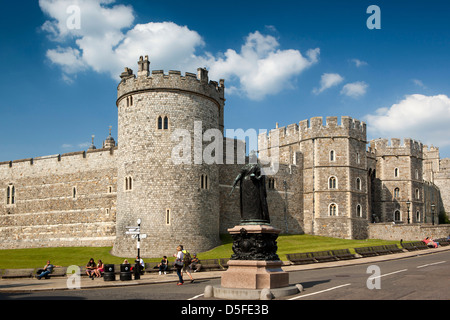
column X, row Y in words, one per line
column 187, row 259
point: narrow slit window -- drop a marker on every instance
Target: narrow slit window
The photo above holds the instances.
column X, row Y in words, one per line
column 167, row 216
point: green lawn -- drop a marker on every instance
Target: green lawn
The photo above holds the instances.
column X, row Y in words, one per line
column 33, row 258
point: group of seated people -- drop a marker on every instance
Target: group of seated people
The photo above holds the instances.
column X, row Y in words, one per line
column 95, row 270
column 433, row 243
column 430, row 242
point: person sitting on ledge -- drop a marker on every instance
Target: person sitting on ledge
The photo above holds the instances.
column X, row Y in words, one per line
column 48, row 269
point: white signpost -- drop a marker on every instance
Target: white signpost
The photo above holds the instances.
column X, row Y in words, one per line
column 135, row 233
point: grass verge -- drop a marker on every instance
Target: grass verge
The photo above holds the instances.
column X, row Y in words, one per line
column 34, row 258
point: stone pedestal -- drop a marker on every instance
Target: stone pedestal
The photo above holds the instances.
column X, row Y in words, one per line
column 248, row 274
column 254, row 271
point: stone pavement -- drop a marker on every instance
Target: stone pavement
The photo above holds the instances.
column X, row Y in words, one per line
column 61, row 283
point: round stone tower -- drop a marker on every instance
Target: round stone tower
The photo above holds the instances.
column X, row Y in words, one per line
column 177, row 201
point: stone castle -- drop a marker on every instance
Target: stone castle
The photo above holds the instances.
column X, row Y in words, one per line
column 328, row 181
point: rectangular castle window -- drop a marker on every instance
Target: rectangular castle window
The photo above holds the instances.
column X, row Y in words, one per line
column 10, row 195
column 204, row 182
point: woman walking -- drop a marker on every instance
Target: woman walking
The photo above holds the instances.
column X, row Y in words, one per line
column 179, row 264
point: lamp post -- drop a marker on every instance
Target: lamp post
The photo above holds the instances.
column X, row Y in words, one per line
column 408, row 204
column 433, row 206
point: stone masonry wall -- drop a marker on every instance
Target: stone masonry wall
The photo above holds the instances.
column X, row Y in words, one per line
column 63, row 200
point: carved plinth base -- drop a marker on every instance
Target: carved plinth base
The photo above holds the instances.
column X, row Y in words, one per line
column 251, row 274
column 254, row 242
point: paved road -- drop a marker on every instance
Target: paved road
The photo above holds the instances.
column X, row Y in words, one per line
column 419, row 277
column 415, row 278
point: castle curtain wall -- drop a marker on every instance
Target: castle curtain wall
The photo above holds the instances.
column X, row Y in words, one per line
column 62, row 200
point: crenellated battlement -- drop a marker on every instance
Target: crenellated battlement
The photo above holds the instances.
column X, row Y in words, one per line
column 172, row 81
column 348, row 127
column 316, row 128
column 394, row 147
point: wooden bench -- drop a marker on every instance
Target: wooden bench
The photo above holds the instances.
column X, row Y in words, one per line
column 300, row 258
column 323, row 256
column 211, row 264
column 365, row 251
column 223, row 262
column 443, row 242
column 343, row 254
column 420, row 245
column 153, row 267
column 59, row 272
column 393, row 248
column 18, row 273
column 409, row 246
column 414, row 246
column 381, row 250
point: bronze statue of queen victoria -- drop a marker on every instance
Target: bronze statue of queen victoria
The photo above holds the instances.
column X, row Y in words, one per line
column 253, row 202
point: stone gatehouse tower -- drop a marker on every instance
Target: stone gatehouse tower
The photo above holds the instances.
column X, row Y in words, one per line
column 177, row 203
column 332, row 164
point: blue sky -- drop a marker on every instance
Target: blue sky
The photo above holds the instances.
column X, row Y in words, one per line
column 283, row 61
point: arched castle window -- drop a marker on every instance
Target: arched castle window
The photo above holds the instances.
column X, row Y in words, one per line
column 332, row 183
column 358, row 184
column 332, row 155
column 358, row 211
column 332, row 210
column 10, row 195
column 397, row 215
column 163, row 123
column 128, row 183
column 396, row 193
column 396, row 173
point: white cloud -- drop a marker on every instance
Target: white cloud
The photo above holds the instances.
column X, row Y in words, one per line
column 355, row 89
column 420, row 117
column 327, row 81
column 261, row 68
column 107, row 41
column 359, row 63
column 69, row 59
column 418, row 83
